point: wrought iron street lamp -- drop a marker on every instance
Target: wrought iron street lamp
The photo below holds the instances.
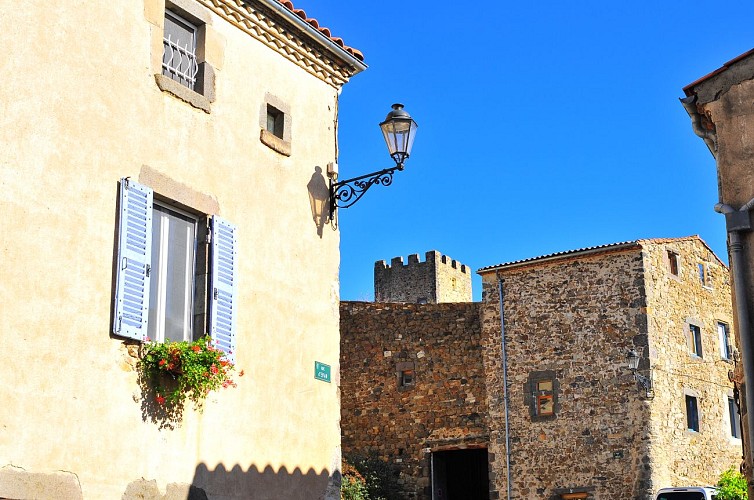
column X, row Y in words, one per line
column 633, row 364
column 399, row 130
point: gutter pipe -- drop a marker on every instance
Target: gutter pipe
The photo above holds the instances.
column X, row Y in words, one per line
column 505, row 387
column 737, row 222
column 708, row 136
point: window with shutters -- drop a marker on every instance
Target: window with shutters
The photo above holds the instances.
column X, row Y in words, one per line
column 176, row 271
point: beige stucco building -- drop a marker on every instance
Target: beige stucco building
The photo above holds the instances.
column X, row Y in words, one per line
column 216, row 114
column 539, row 401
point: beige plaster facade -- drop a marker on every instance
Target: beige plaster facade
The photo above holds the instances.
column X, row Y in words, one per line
column 83, row 106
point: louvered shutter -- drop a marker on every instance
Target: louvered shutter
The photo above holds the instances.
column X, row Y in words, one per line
column 223, row 309
column 134, row 256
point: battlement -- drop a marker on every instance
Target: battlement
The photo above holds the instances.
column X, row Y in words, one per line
column 436, row 279
column 433, row 257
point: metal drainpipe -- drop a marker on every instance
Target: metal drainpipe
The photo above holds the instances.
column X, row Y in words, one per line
column 736, row 223
column 505, row 387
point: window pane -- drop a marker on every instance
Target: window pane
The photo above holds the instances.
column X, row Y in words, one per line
column 692, row 414
column 722, row 331
column 544, row 404
column 544, row 385
column 172, row 285
column 179, row 50
column 735, row 422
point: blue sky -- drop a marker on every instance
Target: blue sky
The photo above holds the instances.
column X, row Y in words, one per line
column 543, row 126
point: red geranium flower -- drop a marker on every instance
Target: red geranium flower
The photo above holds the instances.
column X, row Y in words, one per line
column 213, row 369
column 196, row 348
column 162, row 362
column 160, row 399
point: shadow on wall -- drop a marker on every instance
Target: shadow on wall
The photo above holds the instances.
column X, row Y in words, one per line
column 319, row 196
column 237, row 484
column 264, row 484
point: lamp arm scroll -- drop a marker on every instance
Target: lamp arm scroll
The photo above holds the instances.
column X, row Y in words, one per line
column 344, row 194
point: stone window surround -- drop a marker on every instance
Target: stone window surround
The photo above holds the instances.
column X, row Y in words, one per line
column 690, row 345
column 727, row 427
column 205, row 84
column 671, row 254
column 269, row 139
column 401, row 367
column 531, row 401
column 731, row 344
column 694, row 394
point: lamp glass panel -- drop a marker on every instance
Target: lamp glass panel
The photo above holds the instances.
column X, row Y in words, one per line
column 633, row 360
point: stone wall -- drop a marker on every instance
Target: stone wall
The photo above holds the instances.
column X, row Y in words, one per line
column 438, row 279
column 575, row 318
column 680, row 456
column 445, row 408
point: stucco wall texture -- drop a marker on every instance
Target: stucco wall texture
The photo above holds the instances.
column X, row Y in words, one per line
column 80, row 109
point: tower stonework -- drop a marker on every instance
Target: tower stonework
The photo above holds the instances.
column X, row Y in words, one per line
column 437, row 280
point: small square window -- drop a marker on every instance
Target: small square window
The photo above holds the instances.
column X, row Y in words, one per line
column 407, row 378
column 692, row 413
column 695, row 340
column 275, row 121
column 704, row 276
column 673, row 266
column 735, row 418
column 723, row 333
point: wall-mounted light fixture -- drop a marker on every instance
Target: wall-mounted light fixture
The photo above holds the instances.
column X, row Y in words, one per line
column 645, row 382
column 399, row 130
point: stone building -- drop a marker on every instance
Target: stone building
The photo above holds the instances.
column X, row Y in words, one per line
column 579, row 424
column 719, row 105
column 198, row 125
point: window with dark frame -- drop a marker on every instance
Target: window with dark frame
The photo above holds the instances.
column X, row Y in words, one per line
column 723, row 333
column 407, row 378
column 735, row 418
column 692, row 413
column 695, row 340
column 673, row 262
column 544, row 398
column 275, row 121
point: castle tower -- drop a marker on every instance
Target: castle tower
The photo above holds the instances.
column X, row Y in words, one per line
column 437, row 279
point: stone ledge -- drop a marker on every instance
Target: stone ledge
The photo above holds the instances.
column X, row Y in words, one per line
column 275, row 143
column 182, row 92
column 15, row 482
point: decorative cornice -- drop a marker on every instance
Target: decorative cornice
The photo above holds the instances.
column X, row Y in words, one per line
column 281, row 37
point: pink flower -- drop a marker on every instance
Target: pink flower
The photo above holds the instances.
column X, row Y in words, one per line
column 213, row 369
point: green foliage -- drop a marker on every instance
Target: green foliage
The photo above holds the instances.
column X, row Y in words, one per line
column 353, row 486
column 732, row 486
column 381, row 478
column 185, row 370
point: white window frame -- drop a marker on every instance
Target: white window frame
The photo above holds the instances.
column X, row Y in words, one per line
column 723, row 334
column 158, row 291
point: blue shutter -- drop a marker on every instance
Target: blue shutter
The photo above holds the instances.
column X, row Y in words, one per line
column 223, row 308
column 134, row 257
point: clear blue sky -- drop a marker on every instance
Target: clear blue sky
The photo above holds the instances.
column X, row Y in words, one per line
column 543, row 126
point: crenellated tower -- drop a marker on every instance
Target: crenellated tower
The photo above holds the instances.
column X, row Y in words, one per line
column 438, row 279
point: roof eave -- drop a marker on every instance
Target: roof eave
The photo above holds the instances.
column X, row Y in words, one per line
column 325, row 42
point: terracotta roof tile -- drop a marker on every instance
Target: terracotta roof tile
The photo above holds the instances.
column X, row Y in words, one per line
column 325, row 31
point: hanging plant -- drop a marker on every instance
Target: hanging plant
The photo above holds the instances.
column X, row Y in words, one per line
column 185, row 370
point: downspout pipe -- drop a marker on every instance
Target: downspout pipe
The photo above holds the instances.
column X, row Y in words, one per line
column 737, row 222
column 506, row 403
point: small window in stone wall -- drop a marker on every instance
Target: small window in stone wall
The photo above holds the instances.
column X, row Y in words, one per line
column 735, row 418
column 692, row 413
column 406, row 372
column 695, row 340
column 704, row 275
column 673, row 264
column 541, row 395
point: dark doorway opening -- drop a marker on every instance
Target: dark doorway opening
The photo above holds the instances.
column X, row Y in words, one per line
column 460, row 475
